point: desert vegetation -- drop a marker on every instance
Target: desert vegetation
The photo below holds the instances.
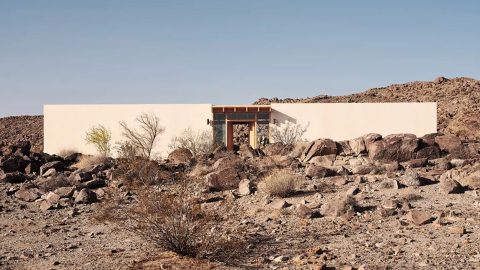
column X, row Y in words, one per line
column 100, row 137
column 281, row 183
column 199, row 142
column 287, row 133
column 144, row 137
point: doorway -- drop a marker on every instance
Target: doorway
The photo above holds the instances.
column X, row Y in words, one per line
column 240, row 132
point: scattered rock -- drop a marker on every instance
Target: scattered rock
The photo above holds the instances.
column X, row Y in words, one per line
column 419, row 217
column 245, row 187
column 86, row 196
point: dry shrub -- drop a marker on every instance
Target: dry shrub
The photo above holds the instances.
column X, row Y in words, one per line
column 67, row 152
column 341, row 205
column 89, row 161
column 174, row 221
column 281, row 183
column 145, row 137
column 100, row 137
column 141, row 171
column 199, row 142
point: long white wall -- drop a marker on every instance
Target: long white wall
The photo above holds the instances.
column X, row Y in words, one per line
column 65, row 125
column 343, row 121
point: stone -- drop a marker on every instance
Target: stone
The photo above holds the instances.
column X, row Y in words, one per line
column 52, row 197
column 419, row 217
column 57, row 165
column 12, row 177
column 28, row 194
column 429, row 152
column 279, row 204
column 449, row 143
column 456, row 230
column 450, row 186
column 352, row 191
column 245, row 187
column 221, row 179
column 415, row 163
column 456, row 162
column 364, row 169
column 46, row 205
column 50, row 172
column 181, row 156
column 81, row 176
column 324, row 161
column 13, row 164
column 86, row 196
column 247, row 151
column 64, row 192
column 358, row 146
column 280, row 259
column 319, row 147
column 395, row 147
column 303, row 211
column 318, row 171
column 95, row 183
column 410, row 178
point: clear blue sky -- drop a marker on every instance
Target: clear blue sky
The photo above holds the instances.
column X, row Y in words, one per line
column 225, row 51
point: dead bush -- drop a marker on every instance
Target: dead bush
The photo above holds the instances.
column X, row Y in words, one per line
column 89, row 161
column 67, row 152
column 199, row 142
column 287, row 133
column 281, row 183
column 145, row 138
column 174, row 221
column 341, row 205
column 140, row 171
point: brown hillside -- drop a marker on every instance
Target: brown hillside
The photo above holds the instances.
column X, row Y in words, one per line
column 22, row 128
column 458, row 101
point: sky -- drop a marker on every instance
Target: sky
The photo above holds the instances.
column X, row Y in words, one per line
column 225, row 51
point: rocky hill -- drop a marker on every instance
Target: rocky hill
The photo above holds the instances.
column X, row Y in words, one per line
column 458, row 101
column 14, row 129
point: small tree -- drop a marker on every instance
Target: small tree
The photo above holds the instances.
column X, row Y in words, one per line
column 145, row 138
column 288, row 133
column 100, row 137
column 199, row 142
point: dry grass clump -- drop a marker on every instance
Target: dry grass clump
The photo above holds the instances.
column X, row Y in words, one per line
column 341, row 205
column 281, row 183
column 174, row 221
column 89, row 161
column 141, row 171
column 67, row 152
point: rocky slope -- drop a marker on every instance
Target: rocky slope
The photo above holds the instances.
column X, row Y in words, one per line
column 458, row 101
column 14, row 129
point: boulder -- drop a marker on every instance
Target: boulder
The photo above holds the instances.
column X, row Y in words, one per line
column 50, row 172
column 13, row 164
column 357, row 146
column 449, row 143
column 46, row 205
column 365, row 169
column 298, row 149
column 410, row 178
column 276, row 148
column 303, row 211
column 95, row 183
column 428, row 152
column 221, row 179
column 64, row 192
column 246, row 151
column 28, row 194
column 245, row 187
column 52, row 197
column 450, row 186
column 326, row 160
column 231, row 161
column 415, row 163
column 81, row 176
column 318, row 171
column 12, row 177
column 279, row 204
column 396, row 147
column 86, row 196
column 319, row 147
column 419, row 217
column 181, row 156
column 344, row 148
column 57, row 165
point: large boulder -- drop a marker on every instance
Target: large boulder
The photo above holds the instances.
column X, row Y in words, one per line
column 410, row 178
column 318, row 171
column 14, row 163
column 357, row 146
column 327, row 160
column 396, row 147
column 319, row 147
column 221, row 179
column 467, row 176
column 181, row 156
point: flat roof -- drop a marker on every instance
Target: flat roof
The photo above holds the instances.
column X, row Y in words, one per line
column 241, row 108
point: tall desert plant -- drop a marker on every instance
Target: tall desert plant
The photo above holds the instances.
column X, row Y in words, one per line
column 287, row 133
column 100, row 137
column 198, row 142
column 145, row 137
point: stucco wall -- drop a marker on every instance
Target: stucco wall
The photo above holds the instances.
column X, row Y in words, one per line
column 65, row 125
column 343, row 121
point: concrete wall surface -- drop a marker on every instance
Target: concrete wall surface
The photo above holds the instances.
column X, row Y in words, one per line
column 343, row 121
column 65, row 125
